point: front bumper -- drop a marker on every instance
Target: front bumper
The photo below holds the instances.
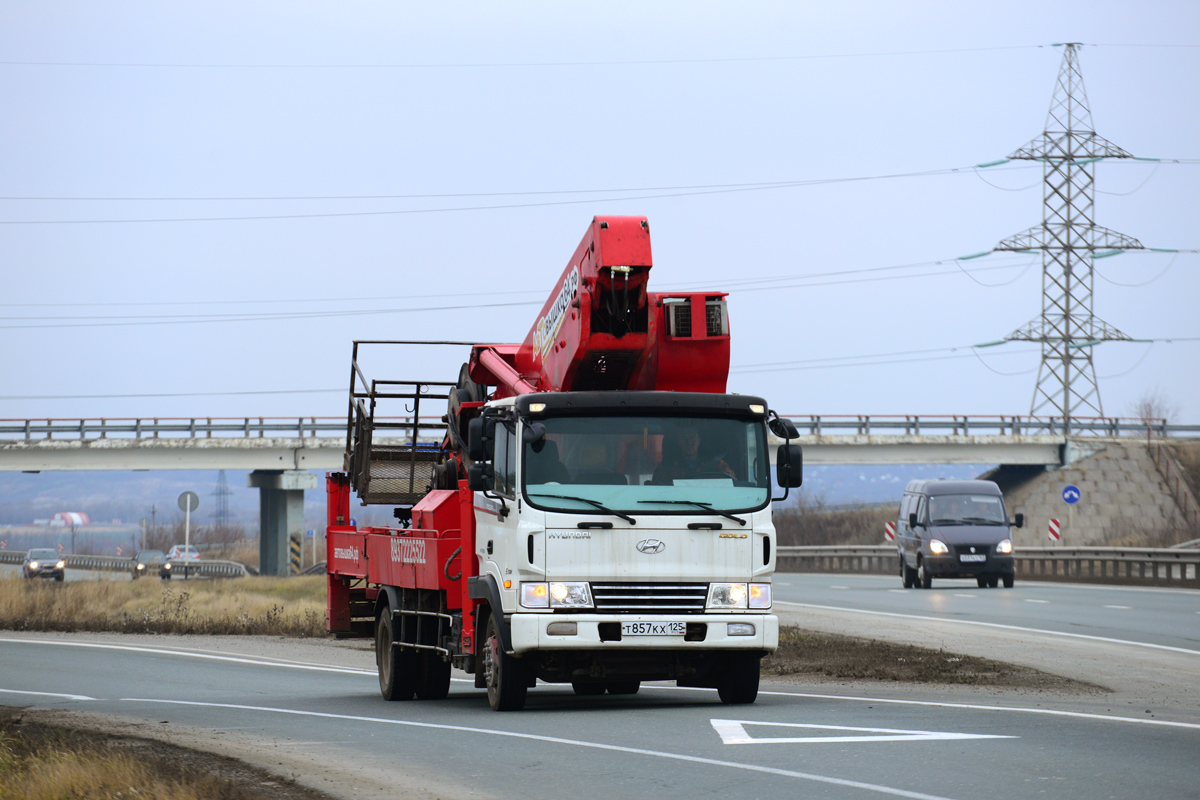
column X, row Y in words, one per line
column 528, row 632
column 44, row 572
column 949, row 566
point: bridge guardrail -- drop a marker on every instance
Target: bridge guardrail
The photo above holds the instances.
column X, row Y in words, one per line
column 208, row 568
column 1099, row 564
column 813, row 424
column 1002, row 424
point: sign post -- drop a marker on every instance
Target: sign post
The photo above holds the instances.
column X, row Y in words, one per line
column 188, row 502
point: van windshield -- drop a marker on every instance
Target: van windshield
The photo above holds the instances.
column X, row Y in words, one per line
column 648, row 464
column 966, row 509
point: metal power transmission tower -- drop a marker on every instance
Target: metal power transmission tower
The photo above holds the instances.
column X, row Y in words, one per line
column 1068, row 238
column 221, row 506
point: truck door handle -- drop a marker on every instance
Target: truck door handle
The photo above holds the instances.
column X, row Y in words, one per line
column 489, row 547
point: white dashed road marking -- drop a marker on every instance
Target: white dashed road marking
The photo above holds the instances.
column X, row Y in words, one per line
column 1031, row 600
column 1122, row 607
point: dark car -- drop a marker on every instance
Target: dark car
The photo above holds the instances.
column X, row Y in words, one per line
column 955, row 529
column 146, row 561
column 44, row 563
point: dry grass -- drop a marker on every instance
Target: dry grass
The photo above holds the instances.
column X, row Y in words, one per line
column 811, row 523
column 43, row 762
column 826, row 655
column 271, row 606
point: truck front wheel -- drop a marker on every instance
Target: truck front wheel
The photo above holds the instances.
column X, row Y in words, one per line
column 397, row 665
column 738, row 681
column 504, row 675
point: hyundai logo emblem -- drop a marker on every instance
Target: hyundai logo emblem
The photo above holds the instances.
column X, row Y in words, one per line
column 972, row 549
column 651, row 546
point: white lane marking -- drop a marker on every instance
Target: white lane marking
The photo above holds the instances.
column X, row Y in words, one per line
column 1122, row 607
column 964, row 594
column 1031, row 600
column 966, row 706
column 994, row 625
column 187, row 654
column 786, row 773
column 839, row 587
column 48, row 694
column 733, row 731
column 898, row 591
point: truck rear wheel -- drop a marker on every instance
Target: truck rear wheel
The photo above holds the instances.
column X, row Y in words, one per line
column 397, row 665
column 434, row 683
column 505, row 676
column 738, row 681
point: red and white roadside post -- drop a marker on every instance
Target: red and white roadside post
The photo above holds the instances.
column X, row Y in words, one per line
column 889, row 531
column 1053, row 533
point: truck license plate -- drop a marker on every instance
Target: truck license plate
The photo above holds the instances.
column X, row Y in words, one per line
column 975, row 557
column 653, row 628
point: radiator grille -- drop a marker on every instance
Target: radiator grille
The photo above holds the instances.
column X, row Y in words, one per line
column 640, row 598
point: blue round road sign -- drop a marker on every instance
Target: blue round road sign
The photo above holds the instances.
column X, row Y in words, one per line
column 1071, row 494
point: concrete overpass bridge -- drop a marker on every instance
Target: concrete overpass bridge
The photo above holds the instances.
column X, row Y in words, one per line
column 279, row 452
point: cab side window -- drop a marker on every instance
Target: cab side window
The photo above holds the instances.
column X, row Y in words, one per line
column 505, row 462
column 921, row 509
column 906, row 506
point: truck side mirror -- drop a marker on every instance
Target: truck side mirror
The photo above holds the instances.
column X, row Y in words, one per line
column 535, row 434
column 783, row 428
column 480, row 476
column 1020, row 521
column 480, row 441
column 789, row 466
column 912, row 519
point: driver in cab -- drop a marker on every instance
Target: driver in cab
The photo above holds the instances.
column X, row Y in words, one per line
column 681, row 459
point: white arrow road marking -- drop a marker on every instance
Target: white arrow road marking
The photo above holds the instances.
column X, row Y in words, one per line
column 733, row 731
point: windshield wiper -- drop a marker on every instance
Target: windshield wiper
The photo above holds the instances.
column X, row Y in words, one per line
column 982, row 521
column 706, row 506
column 593, row 503
column 947, row 521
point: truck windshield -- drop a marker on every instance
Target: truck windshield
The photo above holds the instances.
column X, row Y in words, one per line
column 966, row 509
column 627, row 463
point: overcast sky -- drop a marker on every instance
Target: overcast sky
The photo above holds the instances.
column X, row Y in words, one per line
column 501, row 123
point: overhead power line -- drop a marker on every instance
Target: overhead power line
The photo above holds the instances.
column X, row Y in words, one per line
column 718, row 189
column 609, row 63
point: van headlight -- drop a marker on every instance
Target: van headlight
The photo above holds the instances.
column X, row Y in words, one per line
column 60, row 565
column 938, row 547
column 556, row 594
column 1005, row 546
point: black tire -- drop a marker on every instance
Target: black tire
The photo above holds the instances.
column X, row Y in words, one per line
column 397, row 668
column 738, row 682
column 624, row 687
column 910, row 576
column 434, row 680
column 588, row 689
column 981, row 582
column 507, row 683
column 1008, row 581
column 924, row 579
column 59, row 577
column 993, row 581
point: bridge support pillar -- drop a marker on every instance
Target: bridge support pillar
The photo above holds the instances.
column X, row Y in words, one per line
column 281, row 514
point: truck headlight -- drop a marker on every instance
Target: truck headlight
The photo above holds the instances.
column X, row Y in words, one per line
column 760, row 595
column 557, row 594
column 570, row 595
column 938, row 547
column 1005, row 546
column 726, row 595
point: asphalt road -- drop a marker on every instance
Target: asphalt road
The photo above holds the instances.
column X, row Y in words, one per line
column 1162, row 618
column 313, row 710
